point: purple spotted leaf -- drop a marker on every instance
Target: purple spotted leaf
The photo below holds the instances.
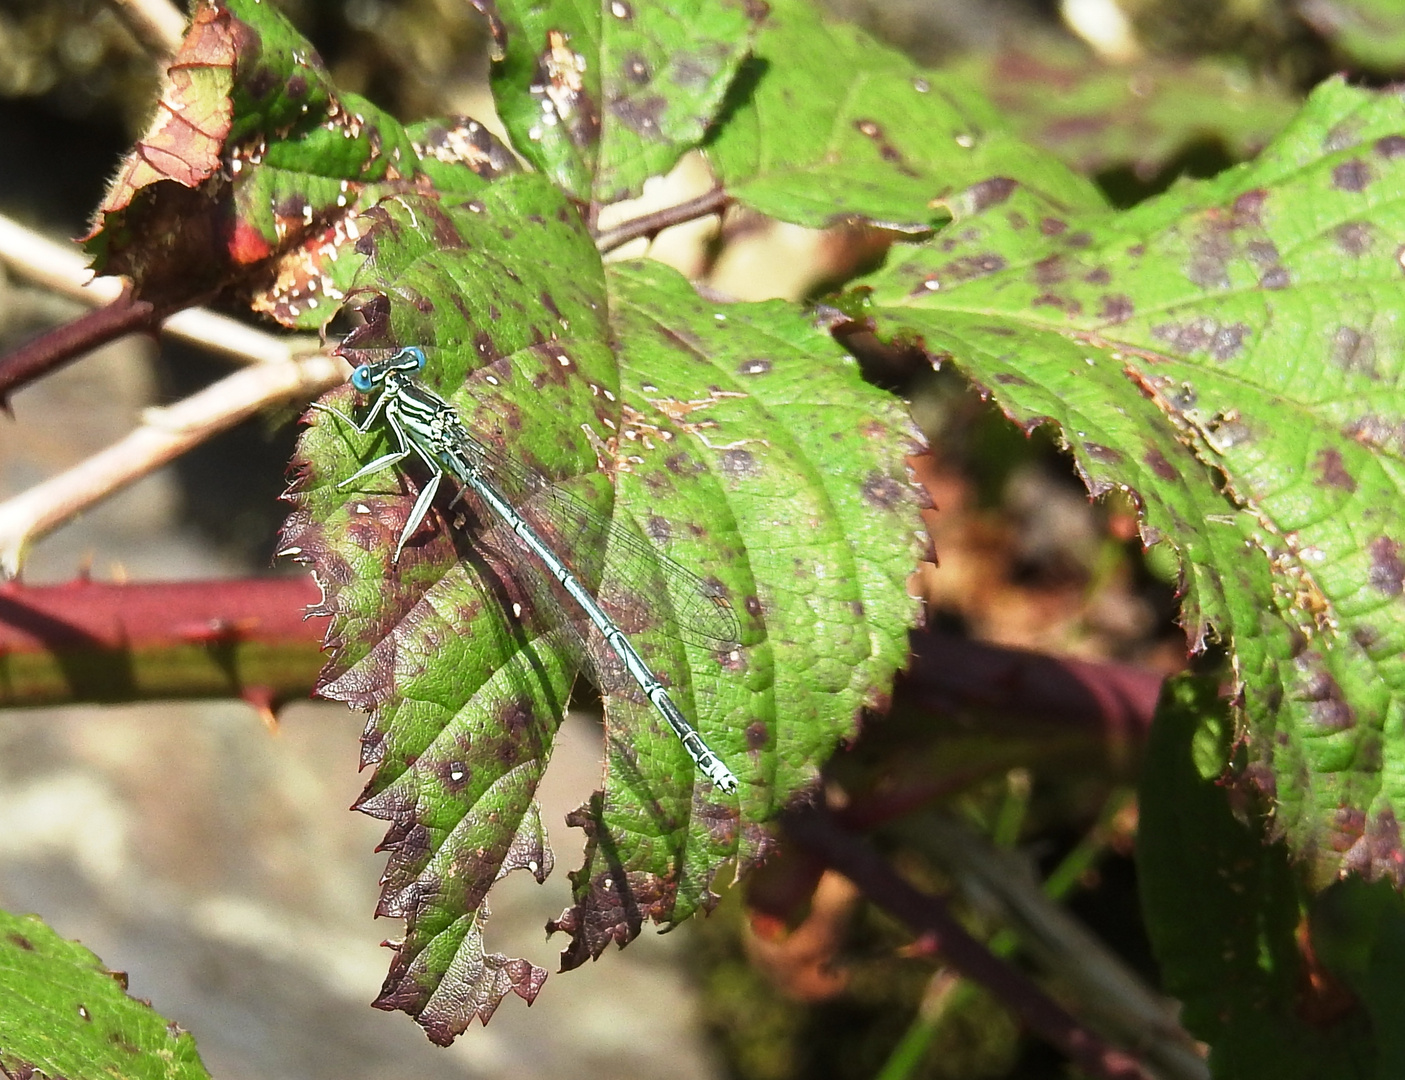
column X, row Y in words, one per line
column 1097, row 116
column 254, row 173
column 737, row 440
column 752, row 418
column 828, row 126
column 600, row 97
column 1230, row 353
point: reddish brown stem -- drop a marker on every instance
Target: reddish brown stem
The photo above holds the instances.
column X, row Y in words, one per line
column 948, row 672
column 816, row 831
column 650, row 225
column 86, row 641
column 66, row 343
column 1040, row 705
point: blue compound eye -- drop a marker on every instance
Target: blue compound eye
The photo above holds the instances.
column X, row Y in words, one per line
column 361, row 378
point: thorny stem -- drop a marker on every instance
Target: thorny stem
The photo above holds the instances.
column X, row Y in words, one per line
column 165, row 434
column 92, row 642
column 650, row 225
column 815, row 830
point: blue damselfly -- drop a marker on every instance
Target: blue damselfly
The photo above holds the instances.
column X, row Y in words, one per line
column 424, row 425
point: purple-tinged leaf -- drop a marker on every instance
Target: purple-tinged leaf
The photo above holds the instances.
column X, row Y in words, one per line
column 1230, row 353
column 741, row 442
column 256, row 170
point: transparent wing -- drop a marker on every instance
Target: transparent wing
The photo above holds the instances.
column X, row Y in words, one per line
column 700, row 615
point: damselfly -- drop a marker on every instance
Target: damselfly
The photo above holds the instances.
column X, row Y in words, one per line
column 425, row 425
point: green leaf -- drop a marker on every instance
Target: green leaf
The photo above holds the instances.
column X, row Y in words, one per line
column 1358, row 932
column 256, row 169
column 1097, row 116
column 742, row 443
column 601, row 97
column 1370, row 32
column 773, row 434
column 830, row 127
column 1223, row 909
column 63, row 1014
column 1230, row 352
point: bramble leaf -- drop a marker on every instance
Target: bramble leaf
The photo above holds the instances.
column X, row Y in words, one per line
column 1097, row 116
column 742, row 444
column 1229, row 352
column 600, row 97
column 256, row 169
column 828, row 126
column 63, row 1014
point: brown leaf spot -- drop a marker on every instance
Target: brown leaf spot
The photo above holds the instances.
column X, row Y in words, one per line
column 1080, row 239
column 1116, row 308
column 1104, row 455
column 1391, row 147
column 1049, row 271
column 1328, row 705
column 658, row 528
column 1332, row 470
column 1247, row 210
column 558, row 87
column 1377, row 432
column 740, row 464
column 455, row 775
column 1353, row 175
column 1156, row 461
column 883, row 491
column 1052, row 226
column 1382, row 839
column 1049, row 299
column 1354, row 350
column 758, row 737
column 1097, row 276
column 1354, row 238
column 1387, row 573
column 1204, row 335
column 989, row 193
column 636, row 69
column 1210, row 253
column 485, row 348
column 683, row 465
column 642, row 114
column 464, row 141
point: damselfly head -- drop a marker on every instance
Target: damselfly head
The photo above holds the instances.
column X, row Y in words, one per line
column 408, row 360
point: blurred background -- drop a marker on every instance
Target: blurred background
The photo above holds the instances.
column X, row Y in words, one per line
column 216, row 861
